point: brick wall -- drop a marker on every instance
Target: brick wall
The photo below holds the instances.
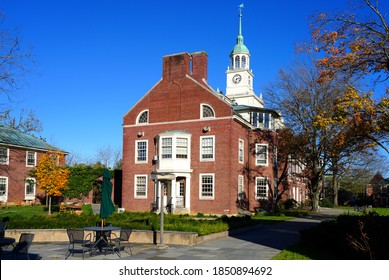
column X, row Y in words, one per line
column 174, row 103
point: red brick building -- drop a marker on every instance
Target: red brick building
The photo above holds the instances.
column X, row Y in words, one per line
column 19, row 154
column 203, row 150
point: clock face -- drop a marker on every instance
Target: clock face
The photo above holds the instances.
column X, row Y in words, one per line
column 236, row 79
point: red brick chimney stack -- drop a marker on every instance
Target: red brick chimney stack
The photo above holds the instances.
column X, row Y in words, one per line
column 200, row 65
column 179, row 65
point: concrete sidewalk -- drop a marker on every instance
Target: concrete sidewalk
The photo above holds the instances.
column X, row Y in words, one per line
column 255, row 243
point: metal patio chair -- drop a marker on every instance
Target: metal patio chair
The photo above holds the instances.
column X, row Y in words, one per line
column 24, row 244
column 123, row 240
column 78, row 243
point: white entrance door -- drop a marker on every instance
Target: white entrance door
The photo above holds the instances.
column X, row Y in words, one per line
column 180, row 194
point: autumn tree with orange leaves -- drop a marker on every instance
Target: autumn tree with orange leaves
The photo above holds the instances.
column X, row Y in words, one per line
column 50, row 176
column 356, row 43
column 321, row 144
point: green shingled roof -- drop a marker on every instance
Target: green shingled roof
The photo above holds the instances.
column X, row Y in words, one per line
column 12, row 137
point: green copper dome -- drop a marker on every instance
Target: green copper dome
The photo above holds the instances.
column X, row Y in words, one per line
column 240, row 47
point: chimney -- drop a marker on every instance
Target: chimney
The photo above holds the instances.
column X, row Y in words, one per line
column 175, row 66
column 200, row 65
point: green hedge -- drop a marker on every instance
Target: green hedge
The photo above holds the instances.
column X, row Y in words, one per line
column 145, row 221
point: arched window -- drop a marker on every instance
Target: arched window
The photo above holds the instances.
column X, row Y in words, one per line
column 243, row 62
column 237, row 61
column 207, row 111
column 143, row 117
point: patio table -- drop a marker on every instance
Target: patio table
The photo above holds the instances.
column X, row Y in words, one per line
column 100, row 242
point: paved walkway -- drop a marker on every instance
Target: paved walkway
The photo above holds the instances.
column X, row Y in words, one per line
column 257, row 243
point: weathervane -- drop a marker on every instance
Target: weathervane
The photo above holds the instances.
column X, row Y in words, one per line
column 241, row 6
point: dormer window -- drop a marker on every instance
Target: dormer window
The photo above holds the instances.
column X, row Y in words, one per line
column 143, row 117
column 207, row 111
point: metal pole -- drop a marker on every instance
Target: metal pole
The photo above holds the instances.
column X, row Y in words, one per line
column 161, row 213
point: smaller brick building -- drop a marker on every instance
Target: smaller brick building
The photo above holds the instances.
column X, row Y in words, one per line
column 19, row 154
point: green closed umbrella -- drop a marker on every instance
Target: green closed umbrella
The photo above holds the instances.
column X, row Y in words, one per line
column 107, row 207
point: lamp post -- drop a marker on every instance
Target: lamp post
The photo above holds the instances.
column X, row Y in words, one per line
column 161, row 177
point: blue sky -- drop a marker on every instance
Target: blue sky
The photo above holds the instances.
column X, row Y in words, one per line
column 95, row 59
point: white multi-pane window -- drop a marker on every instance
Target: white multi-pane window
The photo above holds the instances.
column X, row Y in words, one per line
column 207, row 186
column 29, row 191
column 167, row 147
column 30, row 158
column 207, row 111
column 261, row 187
column 3, row 188
column 141, row 151
column 207, row 148
column 4, row 155
column 140, row 186
column 241, row 151
column 261, row 154
column 262, row 120
column 240, row 187
column 181, row 147
column 143, row 117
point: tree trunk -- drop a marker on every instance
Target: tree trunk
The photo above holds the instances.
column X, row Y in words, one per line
column 49, row 205
column 315, row 200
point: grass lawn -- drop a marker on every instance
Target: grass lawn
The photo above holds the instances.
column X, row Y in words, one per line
column 34, row 210
column 26, row 211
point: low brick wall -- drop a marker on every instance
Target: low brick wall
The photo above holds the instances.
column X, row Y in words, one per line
column 138, row 236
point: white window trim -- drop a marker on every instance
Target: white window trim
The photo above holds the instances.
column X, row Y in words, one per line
column 4, row 197
column 136, row 152
column 172, row 147
column 35, row 154
column 240, row 186
column 201, row 197
column 257, row 156
column 201, row 111
column 7, row 162
column 175, row 141
column 241, row 141
column 140, row 114
column 135, row 186
column 256, row 188
column 30, row 196
column 213, row 148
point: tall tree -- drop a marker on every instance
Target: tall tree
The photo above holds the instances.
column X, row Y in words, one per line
column 50, row 176
column 355, row 42
column 303, row 101
column 109, row 156
column 14, row 60
column 14, row 63
column 25, row 122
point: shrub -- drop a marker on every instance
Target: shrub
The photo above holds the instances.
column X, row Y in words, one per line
column 327, row 203
column 290, row 204
column 351, row 236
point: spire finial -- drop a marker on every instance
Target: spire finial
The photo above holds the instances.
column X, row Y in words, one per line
column 241, row 6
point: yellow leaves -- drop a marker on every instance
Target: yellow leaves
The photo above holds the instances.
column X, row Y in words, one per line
column 51, row 177
column 354, row 109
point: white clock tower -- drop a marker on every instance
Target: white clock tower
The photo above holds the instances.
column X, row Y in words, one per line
column 239, row 76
